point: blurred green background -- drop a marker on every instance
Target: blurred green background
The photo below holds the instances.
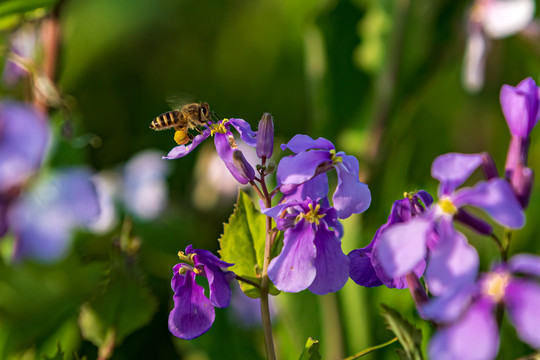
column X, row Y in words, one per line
column 381, row 79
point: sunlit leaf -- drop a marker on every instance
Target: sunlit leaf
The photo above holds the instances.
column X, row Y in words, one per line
column 311, row 350
column 408, row 336
column 242, row 243
column 11, row 7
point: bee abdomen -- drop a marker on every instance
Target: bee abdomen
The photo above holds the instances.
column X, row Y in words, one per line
column 166, row 120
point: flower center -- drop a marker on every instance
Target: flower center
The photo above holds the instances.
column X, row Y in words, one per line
column 219, row 127
column 312, row 215
column 495, row 285
column 447, row 207
column 335, row 159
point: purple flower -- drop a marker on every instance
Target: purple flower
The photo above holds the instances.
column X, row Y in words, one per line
column 365, row 269
column 314, row 157
column 43, row 218
column 193, row 312
column 521, row 108
column 311, row 257
column 491, row 19
column 224, row 141
column 453, row 261
column 144, row 185
column 24, row 135
column 469, row 313
column 23, row 45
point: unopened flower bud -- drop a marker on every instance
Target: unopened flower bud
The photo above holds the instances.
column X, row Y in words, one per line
column 243, row 166
column 522, row 182
column 265, row 136
column 489, row 167
column 473, row 222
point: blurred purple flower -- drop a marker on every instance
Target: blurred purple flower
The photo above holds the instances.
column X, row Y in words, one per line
column 314, row 157
column 311, row 257
column 145, row 189
column 365, row 269
column 193, row 312
column 469, row 312
column 521, row 108
column 491, row 19
column 246, row 311
column 452, row 261
column 43, row 218
column 24, row 136
column 23, row 44
column 224, row 141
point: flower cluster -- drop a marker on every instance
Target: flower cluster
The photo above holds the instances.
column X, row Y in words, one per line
column 311, row 257
column 41, row 217
column 420, row 239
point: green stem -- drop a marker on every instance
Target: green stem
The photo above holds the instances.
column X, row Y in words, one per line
column 371, row 349
column 507, row 238
column 265, row 280
column 247, row 281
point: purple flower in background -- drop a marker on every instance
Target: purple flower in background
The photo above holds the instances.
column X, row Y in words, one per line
column 311, row 257
column 43, row 218
column 491, row 19
column 453, row 261
column 193, row 312
column 365, row 269
column 145, row 188
column 469, row 312
column 24, row 135
column 224, row 141
column 521, row 108
column 314, row 157
column 23, row 45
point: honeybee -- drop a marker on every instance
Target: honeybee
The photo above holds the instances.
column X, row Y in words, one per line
column 189, row 116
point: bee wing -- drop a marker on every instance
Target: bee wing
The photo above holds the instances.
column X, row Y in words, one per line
column 177, row 101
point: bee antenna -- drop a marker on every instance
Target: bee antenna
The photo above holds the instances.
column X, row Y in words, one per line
column 213, row 113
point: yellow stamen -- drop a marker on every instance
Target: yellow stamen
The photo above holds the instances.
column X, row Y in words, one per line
column 219, row 127
column 446, row 205
column 312, row 215
column 335, row 159
column 495, row 285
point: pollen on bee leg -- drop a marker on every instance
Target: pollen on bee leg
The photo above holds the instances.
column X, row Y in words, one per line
column 181, row 137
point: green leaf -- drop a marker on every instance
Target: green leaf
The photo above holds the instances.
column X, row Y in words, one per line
column 39, row 299
column 408, row 335
column 311, row 350
column 58, row 356
column 123, row 305
column 242, row 243
column 12, row 7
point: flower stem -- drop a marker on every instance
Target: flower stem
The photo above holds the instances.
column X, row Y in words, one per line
column 371, row 349
column 507, row 238
column 265, row 281
column 247, row 281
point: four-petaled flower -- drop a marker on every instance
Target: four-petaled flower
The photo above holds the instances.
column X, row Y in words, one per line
column 314, row 157
column 224, row 141
column 193, row 313
column 452, row 260
column 366, row 269
column 469, row 312
column 311, row 257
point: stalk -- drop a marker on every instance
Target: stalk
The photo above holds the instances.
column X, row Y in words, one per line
column 265, row 281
